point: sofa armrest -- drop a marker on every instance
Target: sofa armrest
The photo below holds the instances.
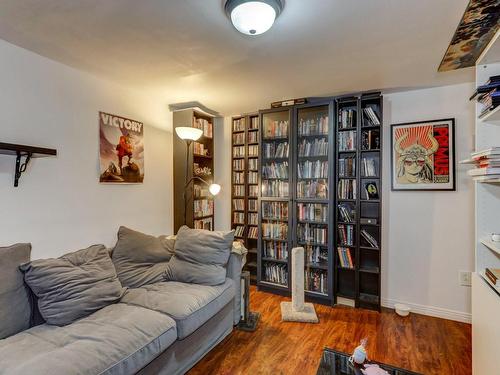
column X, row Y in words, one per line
column 234, row 267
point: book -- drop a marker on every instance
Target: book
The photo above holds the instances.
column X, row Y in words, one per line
column 371, row 191
column 483, row 171
column 484, row 154
column 493, row 274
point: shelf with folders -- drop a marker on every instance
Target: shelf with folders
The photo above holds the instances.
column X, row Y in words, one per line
column 275, row 219
column 313, row 172
column 245, row 188
column 358, row 199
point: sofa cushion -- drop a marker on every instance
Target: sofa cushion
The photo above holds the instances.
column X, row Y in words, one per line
column 141, row 259
column 119, row 339
column 200, row 256
column 189, row 305
column 74, row 285
column 15, row 308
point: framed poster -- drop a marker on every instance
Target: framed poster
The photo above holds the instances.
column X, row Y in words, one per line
column 423, row 155
column 121, row 149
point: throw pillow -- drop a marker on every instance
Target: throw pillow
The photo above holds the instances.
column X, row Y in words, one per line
column 73, row 286
column 15, row 307
column 141, row 259
column 200, row 256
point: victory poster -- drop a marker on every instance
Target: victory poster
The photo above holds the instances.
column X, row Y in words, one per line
column 121, row 149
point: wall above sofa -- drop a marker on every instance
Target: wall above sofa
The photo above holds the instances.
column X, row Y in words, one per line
column 60, row 206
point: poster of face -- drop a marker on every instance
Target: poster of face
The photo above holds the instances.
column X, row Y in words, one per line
column 423, row 155
column 121, row 149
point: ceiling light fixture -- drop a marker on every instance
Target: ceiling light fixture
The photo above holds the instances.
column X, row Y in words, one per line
column 253, row 17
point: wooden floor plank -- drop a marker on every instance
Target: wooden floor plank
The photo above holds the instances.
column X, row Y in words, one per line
column 420, row 343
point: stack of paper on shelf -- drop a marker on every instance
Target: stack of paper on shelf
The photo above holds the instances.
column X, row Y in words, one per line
column 487, row 164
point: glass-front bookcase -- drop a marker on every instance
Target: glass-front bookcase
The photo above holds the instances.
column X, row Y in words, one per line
column 275, row 199
column 313, row 163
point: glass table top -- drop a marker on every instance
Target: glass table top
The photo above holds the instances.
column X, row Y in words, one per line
column 337, row 363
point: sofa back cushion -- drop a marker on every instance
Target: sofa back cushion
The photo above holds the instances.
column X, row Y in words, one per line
column 200, row 256
column 73, row 286
column 15, row 308
column 141, row 259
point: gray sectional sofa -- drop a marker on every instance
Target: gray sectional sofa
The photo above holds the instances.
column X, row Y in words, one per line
column 163, row 327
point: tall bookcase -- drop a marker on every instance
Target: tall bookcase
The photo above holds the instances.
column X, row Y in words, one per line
column 359, row 199
column 275, row 199
column 313, row 163
column 245, row 185
column 199, row 203
column 320, row 188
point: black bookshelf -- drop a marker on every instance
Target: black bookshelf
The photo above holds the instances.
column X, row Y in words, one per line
column 244, row 177
column 358, row 199
column 331, row 207
column 200, row 203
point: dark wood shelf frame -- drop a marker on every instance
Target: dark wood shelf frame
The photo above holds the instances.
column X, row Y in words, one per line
column 187, row 117
column 249, row 242
column 26, row 152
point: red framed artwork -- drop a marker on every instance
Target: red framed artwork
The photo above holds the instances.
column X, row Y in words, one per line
column 423, row 155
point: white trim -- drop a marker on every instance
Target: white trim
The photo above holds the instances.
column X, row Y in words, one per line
column 438, row 312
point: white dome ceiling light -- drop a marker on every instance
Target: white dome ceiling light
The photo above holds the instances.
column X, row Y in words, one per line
column 253, row 17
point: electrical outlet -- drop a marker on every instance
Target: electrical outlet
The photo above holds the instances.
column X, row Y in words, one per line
column 465, row 278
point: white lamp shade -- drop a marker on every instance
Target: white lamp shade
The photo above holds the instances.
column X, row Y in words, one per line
column 253, row 17
column 214, row 189
column 188, row 133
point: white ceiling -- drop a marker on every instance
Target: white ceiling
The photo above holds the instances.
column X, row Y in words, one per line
column 187, row 49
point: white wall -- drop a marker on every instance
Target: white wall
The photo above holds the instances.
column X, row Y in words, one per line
column 223, row 167
column 60, row 205
column 429, row 236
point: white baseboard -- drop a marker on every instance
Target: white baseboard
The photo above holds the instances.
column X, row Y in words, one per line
column 431, row 311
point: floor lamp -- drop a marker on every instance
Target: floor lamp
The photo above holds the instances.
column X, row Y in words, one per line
column 188, row 135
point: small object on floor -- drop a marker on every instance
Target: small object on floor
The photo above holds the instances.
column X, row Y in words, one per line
column 249, row 319
column 297, row 310
column 359, row 356
column 401, row 309
column 306, row 315
column 250, row 324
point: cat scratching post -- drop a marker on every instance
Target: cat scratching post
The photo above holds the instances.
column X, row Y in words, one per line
column 298, row 310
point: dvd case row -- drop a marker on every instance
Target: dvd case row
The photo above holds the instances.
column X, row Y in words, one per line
column 316, row 281
column 318, row 147
column 312, row 189
column 276, row 129
column 275, row 250
column 346, row 234
column 307, row 233
column 275, row 273
column 312, row 169
column 313, row 126
column 277, row 231
column 275, row 150
column 275, row 170
column 347, row 167
column 312, row 212
column 275, row 188
column 274, row 210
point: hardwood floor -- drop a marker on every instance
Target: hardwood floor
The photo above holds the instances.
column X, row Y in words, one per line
column 419, row 343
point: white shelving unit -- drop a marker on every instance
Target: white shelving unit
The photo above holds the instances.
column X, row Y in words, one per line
column 486, row 296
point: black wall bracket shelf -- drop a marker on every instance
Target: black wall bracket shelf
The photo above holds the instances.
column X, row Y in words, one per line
column 26, row 152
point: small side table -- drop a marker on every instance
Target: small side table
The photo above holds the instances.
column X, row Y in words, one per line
column 249, row 319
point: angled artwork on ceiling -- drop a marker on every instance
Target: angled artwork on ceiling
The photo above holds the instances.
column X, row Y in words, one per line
column 479, row 24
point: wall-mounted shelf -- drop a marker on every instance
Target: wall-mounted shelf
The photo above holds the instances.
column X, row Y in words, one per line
column 26, row 152
column 494, row 246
